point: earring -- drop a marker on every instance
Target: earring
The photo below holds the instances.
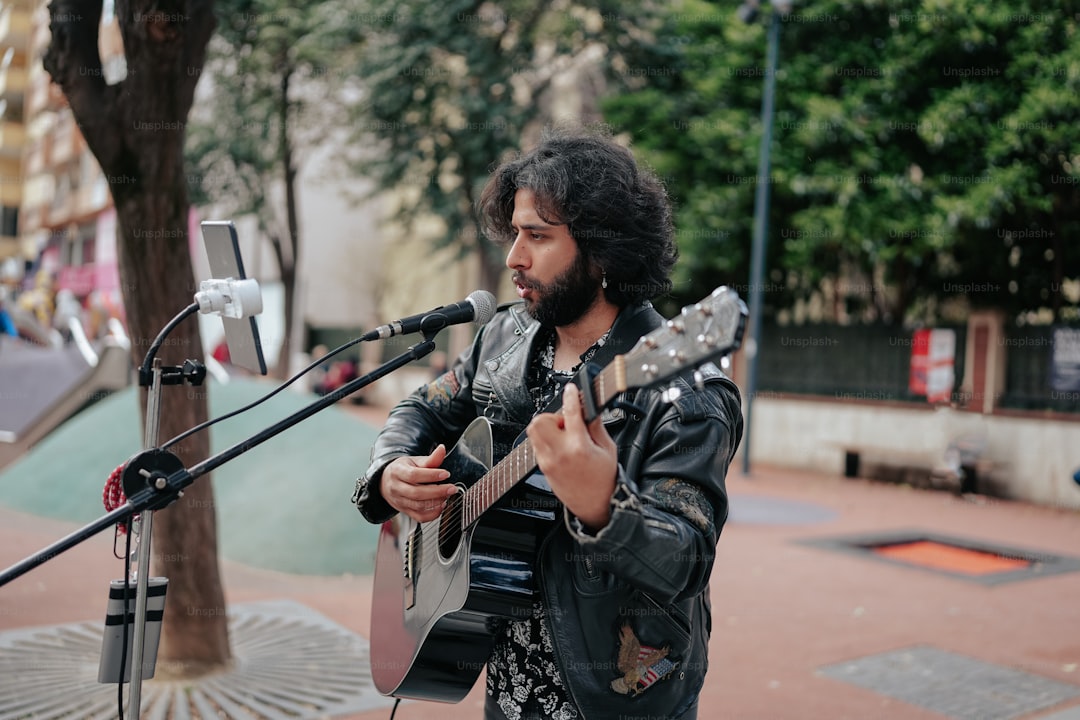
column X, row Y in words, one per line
column 603, row 283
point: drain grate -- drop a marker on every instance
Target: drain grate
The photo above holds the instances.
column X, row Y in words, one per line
column 966, row 559
column 290, row 663
column 953, row 685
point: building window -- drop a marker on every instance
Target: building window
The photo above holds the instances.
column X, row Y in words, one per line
column 86, row 240
column 9, row 221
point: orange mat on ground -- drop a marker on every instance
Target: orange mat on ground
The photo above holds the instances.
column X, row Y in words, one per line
column 927, row 553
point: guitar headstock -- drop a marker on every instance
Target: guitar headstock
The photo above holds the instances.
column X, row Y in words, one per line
column 702, row 332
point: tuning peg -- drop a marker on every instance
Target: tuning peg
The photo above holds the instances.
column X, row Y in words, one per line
column 677, row 326
column 699, row 380
column 725, row 362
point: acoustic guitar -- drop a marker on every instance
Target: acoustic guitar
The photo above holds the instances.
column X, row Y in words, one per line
column 442, row 587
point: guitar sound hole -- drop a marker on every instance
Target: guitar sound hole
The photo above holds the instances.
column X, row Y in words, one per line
column 450, row 527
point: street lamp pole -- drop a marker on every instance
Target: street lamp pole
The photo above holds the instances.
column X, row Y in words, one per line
column 761, row 223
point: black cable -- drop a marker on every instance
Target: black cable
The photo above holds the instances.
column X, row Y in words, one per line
column 264, row 398
column 397, row 701
column 144, row 371
column 124, row 626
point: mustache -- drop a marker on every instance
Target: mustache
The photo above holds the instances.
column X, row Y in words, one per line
column 519, row 279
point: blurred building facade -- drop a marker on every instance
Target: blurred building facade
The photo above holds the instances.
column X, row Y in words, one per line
column 67, row 224
column 63, row 221
column 15, row 27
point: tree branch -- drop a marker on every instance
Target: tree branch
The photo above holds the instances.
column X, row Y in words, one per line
column 73, row 62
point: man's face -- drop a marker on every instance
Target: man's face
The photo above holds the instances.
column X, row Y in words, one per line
column 550, row 272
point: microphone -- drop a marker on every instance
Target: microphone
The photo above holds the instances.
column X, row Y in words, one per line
column 478, row 307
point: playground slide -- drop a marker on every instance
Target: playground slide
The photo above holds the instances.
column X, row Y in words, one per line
column 41, row 387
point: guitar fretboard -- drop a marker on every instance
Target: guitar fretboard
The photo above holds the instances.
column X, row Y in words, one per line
column 520, row 462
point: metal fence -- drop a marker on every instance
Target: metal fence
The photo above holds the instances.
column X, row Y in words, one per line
column 873, row 362
column 846, row 362
column 1028, row 370
column 851, row 362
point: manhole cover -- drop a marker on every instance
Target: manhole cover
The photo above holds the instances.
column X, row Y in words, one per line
column 953, row 685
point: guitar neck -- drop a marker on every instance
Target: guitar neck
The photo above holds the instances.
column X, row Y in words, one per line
column 520, row 462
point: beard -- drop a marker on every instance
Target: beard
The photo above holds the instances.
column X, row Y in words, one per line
column 565, row 299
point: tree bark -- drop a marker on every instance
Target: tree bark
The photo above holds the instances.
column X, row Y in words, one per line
column 1057, row 291
column 289, row 266
column 491, row 267
column 490, row 260
column 136, row 131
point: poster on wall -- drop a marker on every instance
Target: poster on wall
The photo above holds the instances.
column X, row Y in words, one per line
column 1065, row 360
column 933, row 355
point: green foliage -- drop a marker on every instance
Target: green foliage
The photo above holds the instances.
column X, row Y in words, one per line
column 923, row 149
column 276, row 76
column 453, row 88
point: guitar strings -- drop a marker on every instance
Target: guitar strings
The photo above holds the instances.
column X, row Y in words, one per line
column 491, row 484
column 494, row 481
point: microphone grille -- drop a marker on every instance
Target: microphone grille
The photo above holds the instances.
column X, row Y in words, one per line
column 485, row 305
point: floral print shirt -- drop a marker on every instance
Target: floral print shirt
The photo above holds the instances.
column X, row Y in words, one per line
column 522, row 676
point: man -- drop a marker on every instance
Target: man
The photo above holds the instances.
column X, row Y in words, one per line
column 621, row 620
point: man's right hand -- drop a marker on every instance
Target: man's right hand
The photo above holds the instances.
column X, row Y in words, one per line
column 409, row 485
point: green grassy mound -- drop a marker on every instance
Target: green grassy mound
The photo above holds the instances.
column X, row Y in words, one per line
column 283, row 505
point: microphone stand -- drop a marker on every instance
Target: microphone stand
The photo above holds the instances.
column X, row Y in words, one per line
column 142, row 563
column 154, row 478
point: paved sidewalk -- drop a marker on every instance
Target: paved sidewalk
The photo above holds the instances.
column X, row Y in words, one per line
column 805, row 624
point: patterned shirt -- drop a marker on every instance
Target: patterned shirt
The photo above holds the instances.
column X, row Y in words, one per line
column 522, row 676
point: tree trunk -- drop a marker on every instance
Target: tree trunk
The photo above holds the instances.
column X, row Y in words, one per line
column 135, row 129
column 904, row 285
column 194, row 634
column 289, row 266
column 490, row 259
column 1057, row 291
column 492, row 266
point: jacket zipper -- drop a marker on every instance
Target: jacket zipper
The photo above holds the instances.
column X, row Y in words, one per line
column 589, row 567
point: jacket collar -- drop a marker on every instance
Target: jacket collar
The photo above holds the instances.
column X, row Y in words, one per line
column 632, row 322
column 508, row 369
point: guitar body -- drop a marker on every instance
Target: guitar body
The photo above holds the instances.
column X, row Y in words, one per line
column 440, row 592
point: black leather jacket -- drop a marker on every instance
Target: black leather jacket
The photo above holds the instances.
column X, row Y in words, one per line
column 634, row 596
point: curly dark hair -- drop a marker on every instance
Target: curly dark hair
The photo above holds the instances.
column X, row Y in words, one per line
column 617, row 211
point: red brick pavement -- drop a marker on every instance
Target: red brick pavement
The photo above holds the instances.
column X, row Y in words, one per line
column 781, row 609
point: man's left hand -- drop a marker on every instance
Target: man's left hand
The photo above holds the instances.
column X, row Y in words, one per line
column 579, row 460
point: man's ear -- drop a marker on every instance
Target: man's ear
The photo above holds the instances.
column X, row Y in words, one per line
column 596, row 271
